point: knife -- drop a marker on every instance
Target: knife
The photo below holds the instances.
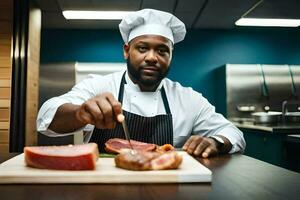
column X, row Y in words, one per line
column 121, row 118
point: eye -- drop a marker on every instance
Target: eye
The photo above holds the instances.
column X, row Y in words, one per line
column 162, row 51
column 142, row 49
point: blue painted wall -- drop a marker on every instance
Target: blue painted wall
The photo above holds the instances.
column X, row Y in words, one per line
column 195, row 60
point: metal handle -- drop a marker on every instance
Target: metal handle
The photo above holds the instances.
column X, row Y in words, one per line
column 126, row 131
column 246, row 108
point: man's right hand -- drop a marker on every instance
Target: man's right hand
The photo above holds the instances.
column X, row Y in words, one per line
column 101, row 111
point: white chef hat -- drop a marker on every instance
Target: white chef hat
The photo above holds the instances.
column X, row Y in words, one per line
column 152, row 22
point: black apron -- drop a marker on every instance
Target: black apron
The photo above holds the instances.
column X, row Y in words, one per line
column 157, row 129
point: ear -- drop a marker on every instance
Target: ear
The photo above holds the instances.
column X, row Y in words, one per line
column 126, row 51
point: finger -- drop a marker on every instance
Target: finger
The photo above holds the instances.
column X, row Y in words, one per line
column 201, row 147
column 93, row 108
column 192, row 147
column 187, row 143
column 107, row 112
column 209, row 152
column 85, row 117
column 116, row 106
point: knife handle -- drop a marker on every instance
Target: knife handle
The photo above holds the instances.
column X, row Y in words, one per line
column 120, row 117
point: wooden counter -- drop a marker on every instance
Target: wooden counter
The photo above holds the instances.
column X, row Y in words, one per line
column 234, row 177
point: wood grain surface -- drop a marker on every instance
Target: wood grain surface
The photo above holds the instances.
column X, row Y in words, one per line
column 15, row 171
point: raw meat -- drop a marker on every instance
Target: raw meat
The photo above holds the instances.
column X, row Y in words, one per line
column 141, row 160
column 164, row 148
column 68, row 157
column 115, row 145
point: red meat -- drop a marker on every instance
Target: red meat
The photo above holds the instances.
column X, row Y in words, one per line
column 115, row 145
column 68, row 157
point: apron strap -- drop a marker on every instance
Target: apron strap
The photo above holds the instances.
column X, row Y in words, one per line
column 121, row 90
column 165, row 100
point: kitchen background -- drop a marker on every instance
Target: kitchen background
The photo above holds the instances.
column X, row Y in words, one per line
column 195, row 60
column 212, row 41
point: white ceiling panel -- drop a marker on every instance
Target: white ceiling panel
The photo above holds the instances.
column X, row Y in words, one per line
column 123, row 5
column 56, row 20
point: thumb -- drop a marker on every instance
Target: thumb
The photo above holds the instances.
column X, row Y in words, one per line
column 117, row 110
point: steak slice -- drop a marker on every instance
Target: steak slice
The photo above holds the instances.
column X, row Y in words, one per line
column 141, row 160
column 115, row 145
column 68, row 157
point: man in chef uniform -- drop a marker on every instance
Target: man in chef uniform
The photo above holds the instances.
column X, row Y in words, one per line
column 156, row 109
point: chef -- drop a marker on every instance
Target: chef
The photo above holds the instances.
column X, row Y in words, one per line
column 156, row 109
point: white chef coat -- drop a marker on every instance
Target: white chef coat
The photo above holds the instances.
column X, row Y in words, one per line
column 191, row 112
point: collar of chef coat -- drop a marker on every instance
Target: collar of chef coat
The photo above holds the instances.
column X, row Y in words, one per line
column 135, row 87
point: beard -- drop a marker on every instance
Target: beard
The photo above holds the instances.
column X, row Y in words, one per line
column 149, row 80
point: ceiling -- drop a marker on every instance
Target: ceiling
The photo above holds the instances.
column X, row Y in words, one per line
column 196, row 14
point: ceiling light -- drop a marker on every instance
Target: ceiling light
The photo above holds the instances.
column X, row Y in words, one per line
column 268, row 22
column 107, row 15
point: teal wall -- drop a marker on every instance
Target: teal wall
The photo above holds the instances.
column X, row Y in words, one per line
column 195, row 60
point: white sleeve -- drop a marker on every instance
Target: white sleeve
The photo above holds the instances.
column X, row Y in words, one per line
column 208, row 122
column 81, row 92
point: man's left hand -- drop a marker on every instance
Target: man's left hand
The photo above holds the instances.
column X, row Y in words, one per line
column 201, row 146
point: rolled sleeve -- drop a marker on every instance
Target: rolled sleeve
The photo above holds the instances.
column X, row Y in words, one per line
column 79, row 94
column 235, row 137
column 208, row 123
column 46, row 115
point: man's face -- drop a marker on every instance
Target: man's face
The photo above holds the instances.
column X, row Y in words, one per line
column 148, row 59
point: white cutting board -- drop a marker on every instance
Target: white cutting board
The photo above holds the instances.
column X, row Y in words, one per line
column 15, row 171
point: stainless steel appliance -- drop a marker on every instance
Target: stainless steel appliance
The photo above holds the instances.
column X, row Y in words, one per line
column 58, row 78
column 256, row 92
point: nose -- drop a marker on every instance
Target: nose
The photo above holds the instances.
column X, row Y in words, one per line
column 151, row 57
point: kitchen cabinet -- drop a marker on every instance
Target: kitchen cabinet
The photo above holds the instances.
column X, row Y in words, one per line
column 292, row 152
column 266, row 146
column 270, row 143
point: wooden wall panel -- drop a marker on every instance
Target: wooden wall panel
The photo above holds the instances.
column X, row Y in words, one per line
column 3, row 149
column 4, row 136
column 5, row 14
column 5, row 38
column 5, row 48
column 4, row 93
column 4, row 62
column 4, row 114
column 5, row 156
column 33, row 66
column 6, row 24
column 4, row 103
column 5, row 73
column 4, row 125
column 5, row 83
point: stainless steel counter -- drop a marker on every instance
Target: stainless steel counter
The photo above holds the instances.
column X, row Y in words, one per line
column 271, row 128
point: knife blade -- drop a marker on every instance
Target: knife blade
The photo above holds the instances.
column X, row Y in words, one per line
column 121, row 118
